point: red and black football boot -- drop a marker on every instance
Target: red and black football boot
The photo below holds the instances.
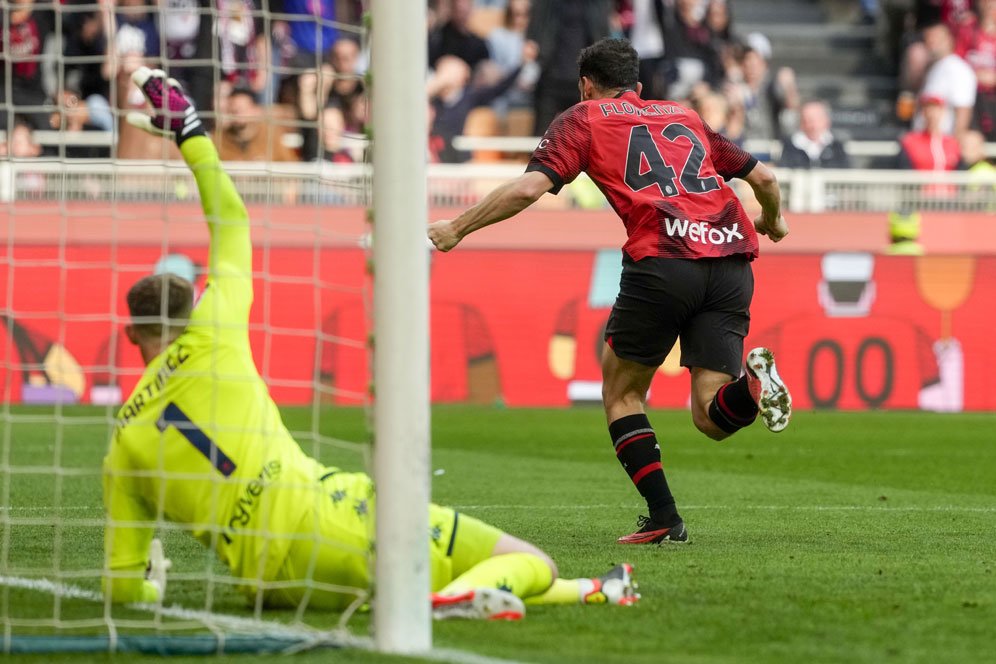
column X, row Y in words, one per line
column 651, row 532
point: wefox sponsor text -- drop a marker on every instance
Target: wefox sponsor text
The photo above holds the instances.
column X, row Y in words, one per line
column 701, row 231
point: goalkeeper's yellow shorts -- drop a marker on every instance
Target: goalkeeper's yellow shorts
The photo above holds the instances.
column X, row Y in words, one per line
column 333, row 567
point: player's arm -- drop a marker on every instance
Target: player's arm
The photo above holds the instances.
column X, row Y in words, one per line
column 732, row 161
column 558, row 159
column 765, row 185
column 230, row 259
column 127, row 540
column 506, row 201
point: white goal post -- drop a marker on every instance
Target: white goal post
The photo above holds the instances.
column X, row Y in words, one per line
column 402, row 621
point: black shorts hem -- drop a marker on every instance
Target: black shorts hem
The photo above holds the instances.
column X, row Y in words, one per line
column 702, row 365
column 652, row 363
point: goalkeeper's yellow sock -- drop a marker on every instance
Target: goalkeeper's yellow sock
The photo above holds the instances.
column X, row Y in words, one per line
column 564, row 591
column 522, row 574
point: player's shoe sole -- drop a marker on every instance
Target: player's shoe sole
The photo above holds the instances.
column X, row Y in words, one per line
column 479, row 604
column 773, row 399
column 649, row 534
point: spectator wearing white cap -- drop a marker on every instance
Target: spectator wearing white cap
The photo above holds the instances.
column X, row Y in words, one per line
column 760, row 44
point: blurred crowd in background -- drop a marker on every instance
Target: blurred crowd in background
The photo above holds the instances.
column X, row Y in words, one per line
column 283, row 80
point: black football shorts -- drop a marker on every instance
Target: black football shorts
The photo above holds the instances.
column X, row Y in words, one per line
column 704, row 301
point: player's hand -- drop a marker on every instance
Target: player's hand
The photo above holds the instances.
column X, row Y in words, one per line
column 173, row 113
column 443, row 235
column 159, row 564
column 775, row 229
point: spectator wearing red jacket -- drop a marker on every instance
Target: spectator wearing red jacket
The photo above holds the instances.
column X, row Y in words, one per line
column 931, row 148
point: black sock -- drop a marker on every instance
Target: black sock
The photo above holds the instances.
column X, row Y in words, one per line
column 638, row 452
column 733, row 407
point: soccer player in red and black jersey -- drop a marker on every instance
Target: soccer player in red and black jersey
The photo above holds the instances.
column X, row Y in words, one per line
column 686, row 262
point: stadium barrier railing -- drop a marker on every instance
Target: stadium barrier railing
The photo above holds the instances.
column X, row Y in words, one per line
column 460, row 185
column 526, row 144
column 522, row 145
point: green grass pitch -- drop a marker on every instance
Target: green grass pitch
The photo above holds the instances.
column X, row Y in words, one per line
column 848, row 538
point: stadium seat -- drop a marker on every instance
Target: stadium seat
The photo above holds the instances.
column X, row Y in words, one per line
column 519, row 122
column 482, row 121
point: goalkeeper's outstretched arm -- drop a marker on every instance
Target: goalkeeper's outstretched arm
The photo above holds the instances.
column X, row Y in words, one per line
column 230, row 261
column 226, row 215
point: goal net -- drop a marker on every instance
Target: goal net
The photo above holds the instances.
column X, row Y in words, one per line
column 91, row 206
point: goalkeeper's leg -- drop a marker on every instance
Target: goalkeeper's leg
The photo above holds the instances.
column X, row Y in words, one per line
column 483, row 557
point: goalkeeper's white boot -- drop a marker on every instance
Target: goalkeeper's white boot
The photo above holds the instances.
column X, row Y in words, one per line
column 479, row 604
column 774, row 403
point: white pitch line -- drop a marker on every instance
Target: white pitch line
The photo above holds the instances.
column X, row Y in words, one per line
column 745, row 506
column 240, row 625
column 462, row 657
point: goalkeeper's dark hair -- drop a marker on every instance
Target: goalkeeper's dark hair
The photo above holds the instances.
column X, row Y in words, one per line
column 160, row 305
column 610, row 64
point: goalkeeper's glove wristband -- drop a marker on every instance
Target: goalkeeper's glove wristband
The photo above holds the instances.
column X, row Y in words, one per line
column 192, row 126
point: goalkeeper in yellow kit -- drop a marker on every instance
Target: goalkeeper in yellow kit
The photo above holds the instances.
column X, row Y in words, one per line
column 200, row 442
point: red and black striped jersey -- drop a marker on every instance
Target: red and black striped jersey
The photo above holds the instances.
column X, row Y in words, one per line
column 661, row 168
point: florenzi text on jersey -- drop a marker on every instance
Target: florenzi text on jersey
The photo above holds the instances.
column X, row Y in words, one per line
column 626, row 108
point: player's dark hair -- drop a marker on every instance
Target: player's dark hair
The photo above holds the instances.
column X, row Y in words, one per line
column 610, row 64
column 166, row 297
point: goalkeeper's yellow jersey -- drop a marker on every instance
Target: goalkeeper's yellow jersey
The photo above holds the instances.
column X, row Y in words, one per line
column 200, row 441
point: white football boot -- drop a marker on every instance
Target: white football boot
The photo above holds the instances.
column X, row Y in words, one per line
column 479, row 604
column 773, row 399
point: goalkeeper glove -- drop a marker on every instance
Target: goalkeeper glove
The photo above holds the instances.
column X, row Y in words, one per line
column 173, row 113
column 159, row 564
